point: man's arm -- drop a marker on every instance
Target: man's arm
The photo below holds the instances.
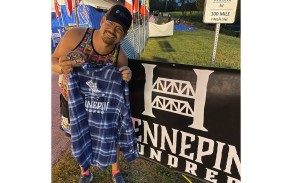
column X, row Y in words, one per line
column 69, row 41
column 123, row 66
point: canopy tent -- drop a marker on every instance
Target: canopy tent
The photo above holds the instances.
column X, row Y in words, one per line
column 156, row 30
column 90, row 13
column 99, row 4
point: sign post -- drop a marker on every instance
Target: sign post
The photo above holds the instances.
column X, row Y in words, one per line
column 217, row 30
column 219, row 11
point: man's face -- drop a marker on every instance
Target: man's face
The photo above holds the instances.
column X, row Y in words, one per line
column 112, row 32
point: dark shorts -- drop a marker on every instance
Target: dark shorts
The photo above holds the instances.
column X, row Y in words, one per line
column 64, row 107
column 64, row 112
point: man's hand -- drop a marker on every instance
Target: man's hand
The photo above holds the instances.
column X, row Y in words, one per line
column 65, row 64
column 126, row 73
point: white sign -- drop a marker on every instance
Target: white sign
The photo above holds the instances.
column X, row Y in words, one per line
column 220, row 11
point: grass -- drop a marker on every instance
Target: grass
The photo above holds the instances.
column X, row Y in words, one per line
column 66, row 170
column 194, row 48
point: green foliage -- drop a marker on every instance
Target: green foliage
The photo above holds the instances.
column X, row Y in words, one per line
column 172, row 5
column 200, row 5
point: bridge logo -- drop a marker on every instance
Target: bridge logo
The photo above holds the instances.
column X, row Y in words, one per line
column 181, row 88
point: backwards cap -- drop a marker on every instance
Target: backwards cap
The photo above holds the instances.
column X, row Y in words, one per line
column 121, row 15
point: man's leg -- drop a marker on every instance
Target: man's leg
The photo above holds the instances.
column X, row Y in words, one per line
column 116, row 174
column 86, row 176
column 64, row 112
column 115, row 166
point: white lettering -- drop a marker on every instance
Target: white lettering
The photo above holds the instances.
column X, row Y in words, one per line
column 232, row 155
column 139, row 122
column 185, row 146
column 210, row 174
column 232, row 180
column 172, row 161
column 165, row 136
column 190, row 168
column 147, row 131
column 87, row 104
column 202, row 153
column 205, row 147
column 219, row 155
column 95, row 105
column 155, row 155
column 141, row 148
column 148, row 89
column 201, row 89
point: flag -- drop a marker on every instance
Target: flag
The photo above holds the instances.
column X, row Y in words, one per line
column 77, row 2
column 128, row 5
column 147, row 5
column 84, row 11
column 135, row 6
column 143, row 8
column 56, row 6
column 70, row 5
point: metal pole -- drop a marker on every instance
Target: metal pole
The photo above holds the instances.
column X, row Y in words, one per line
column 215, row 44
column 144, row 23
column 166, row 5
column 139, row 32
column 133, row 35
column 76, row 15
column 84, row 8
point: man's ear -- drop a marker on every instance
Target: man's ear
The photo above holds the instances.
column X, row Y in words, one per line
column 102, row 20
column 124, row 35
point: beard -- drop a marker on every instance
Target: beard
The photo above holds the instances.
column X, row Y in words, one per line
column 109, row 37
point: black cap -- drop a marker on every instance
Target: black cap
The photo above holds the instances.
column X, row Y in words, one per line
column 121, row 15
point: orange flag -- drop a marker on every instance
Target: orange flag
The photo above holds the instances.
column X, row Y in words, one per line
column 143, row 8
column 136, row 6
column 56, row 6
column 128, row 5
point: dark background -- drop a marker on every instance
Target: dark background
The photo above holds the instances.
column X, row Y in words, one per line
column 221, row 113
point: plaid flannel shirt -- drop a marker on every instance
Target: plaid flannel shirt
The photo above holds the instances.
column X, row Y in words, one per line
column 100, row 117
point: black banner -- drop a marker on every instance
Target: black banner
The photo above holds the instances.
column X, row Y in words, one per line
column 187, row 118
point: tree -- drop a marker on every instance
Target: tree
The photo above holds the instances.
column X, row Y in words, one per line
column 171, row 5
column 192, row 6
column 183, row 7
column 166, row 5
column 200, row 5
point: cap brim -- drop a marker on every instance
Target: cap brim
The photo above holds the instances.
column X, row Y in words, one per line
column 111, row 18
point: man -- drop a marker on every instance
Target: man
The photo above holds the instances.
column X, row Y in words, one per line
column 99, row 46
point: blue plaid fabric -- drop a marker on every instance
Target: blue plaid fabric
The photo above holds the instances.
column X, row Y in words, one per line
column 100, row 117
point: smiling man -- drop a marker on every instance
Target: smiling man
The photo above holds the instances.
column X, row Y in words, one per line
column 96, row 46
